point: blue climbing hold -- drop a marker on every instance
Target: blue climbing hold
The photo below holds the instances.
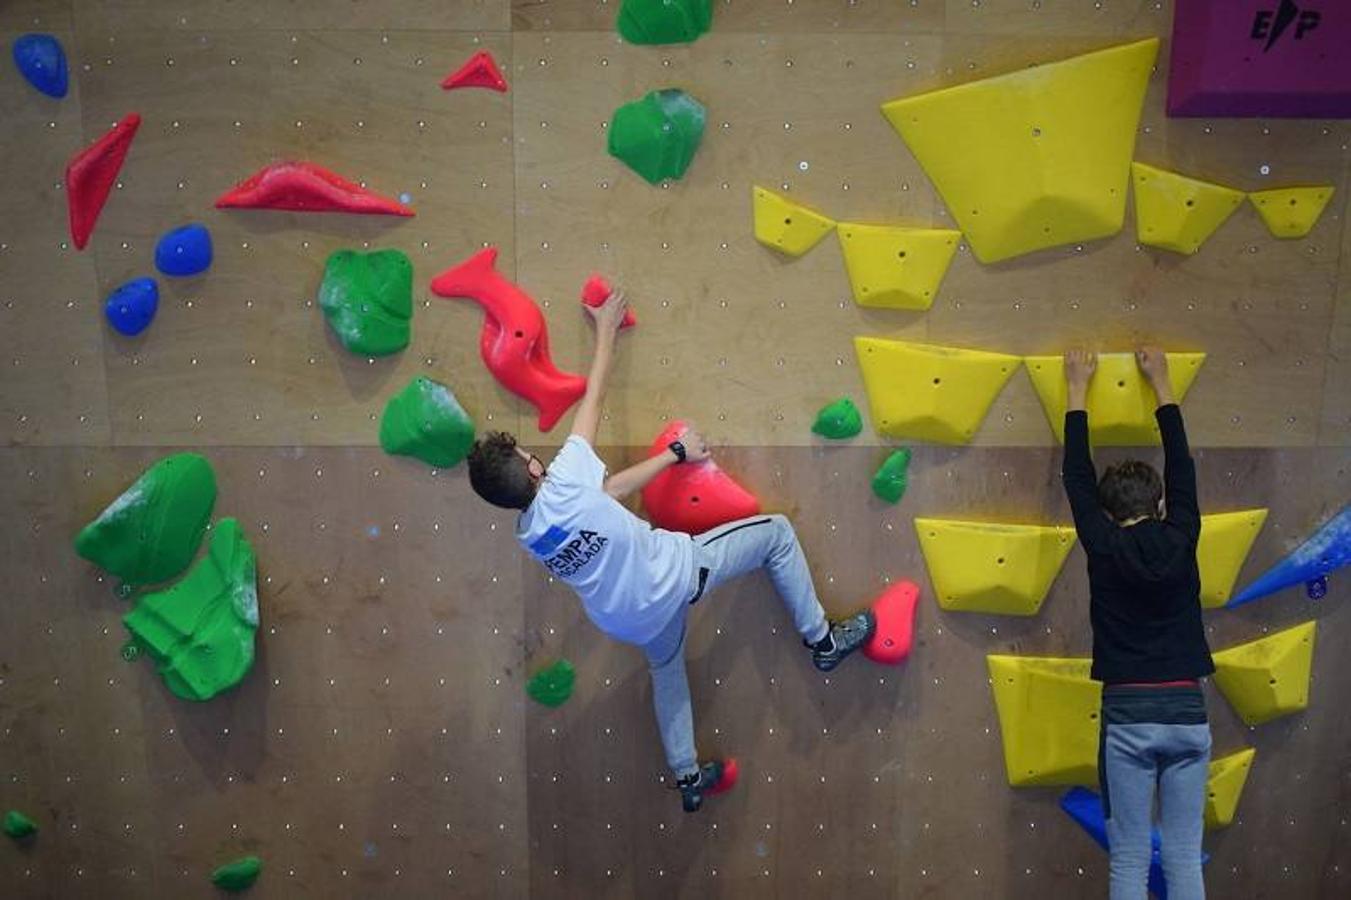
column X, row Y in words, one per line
column 42, row 63
column 1085, row 808
column 131, row 307
column 1322, row 554
column 1317, row 589
column 184, row 251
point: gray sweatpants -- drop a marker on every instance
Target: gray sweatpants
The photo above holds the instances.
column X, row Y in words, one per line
column 1155, row 747
column 760, row 542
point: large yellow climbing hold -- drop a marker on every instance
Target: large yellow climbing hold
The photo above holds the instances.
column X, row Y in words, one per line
column 788, row 227
column 1269, row 677
column 992, row 567
column 1291, row 212
column 1048, row 716
column 930, row 393
column 1224, row 786
column 1176, row 212
column 1035, row 158
column 1120, row 403
column 1225, row 541
column 896, row 268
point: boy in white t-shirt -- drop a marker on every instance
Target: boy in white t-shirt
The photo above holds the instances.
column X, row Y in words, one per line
column 637, row 582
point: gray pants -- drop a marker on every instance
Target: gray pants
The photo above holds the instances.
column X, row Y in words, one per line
column 760, row 542
column 1140, row 759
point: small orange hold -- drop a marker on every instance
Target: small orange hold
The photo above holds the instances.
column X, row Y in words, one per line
column 597, row 290
column 479, row 71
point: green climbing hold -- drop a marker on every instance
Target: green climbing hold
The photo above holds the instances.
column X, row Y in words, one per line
column 552, row 686
column 424, row 420
column 151, row 532
column 237, row 875
column 368, row 300
column 838, row 420
column 891, row 480
column 200, row 632
column 18, row 826
column 664, row 21
column 658, row 135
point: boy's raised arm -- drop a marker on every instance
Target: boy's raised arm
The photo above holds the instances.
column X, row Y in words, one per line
column 607, row 318
column 1077, row 471
column 1179, row 470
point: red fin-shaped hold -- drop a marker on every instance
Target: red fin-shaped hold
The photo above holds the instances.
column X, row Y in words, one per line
column 694, row 497
column 514, row 341
column 91, row 174
column 305, row 187
column 731, row 773
column 479, row 71
column 895, row 612
column 597, row 290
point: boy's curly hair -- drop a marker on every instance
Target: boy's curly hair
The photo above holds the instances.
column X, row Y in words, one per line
column 1130, row 489
column 498, row 474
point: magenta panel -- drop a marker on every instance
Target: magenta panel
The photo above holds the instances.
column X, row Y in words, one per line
column 1268, row 58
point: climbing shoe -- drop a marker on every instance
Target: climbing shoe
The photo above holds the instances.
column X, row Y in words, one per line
column 693, row 787
column 845, row 636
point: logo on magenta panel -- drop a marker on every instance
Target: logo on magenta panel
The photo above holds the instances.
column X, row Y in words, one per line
column 1271, row 24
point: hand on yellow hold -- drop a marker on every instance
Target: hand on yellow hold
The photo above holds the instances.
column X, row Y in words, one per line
column 1079, row 368
column 1153, row 364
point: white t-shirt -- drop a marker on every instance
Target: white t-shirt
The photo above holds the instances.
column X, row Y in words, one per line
column 632, row 578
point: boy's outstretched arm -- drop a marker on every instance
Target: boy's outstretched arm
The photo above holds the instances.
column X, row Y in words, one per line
column 607, row 318
column 1077, row 472
column 636, row 477
column 1179, row 470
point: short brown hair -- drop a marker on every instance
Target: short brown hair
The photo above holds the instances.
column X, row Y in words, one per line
column 498, row 474
column 1130, row 489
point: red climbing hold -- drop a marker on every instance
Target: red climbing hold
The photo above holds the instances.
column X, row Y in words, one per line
column 480, row 71
column 694, row 497
column 306, row 187
column 597, row 290
column 730, row 773
column 514, row 341
column 90, row 175
column 895, row 612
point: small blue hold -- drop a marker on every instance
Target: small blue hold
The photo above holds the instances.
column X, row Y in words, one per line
column 42, row 63
column 184, row 251
column 131, row 307
column 1317, row 589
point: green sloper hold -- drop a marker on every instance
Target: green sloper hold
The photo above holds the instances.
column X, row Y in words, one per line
column 19, row 826
column 892, row 479
column 200, row 631
column 838, row 420
column 424, row 420
column 151, row 532
column 664, row 21
column 237, row 875
column 552, row 686
column 368, row 300
column 658, row 135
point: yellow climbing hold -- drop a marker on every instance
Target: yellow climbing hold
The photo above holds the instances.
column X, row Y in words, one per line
column 1048, row 716
column 1120, row 404
column 930, row 393
column 1035, row 158
column 1178, row 213
column 1224, row 786
column 992, row 567
column 1291, row 212
column 1269, row 677
column 788, row 227
column 896, row 268
column 1225, row 541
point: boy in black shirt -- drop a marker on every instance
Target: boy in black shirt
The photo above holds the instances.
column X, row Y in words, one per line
column 1149, row 645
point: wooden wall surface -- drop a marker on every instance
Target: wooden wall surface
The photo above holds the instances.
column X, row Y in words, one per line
column 384, row 742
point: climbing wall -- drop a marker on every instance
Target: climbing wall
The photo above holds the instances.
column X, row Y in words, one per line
column 383, row 741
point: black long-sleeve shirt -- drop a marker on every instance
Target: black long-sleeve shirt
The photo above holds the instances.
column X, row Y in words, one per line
column 1144, row 586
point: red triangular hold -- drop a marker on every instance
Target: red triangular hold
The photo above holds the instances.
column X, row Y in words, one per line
column 90, row 175
column 480, row 71
column 306, row 187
